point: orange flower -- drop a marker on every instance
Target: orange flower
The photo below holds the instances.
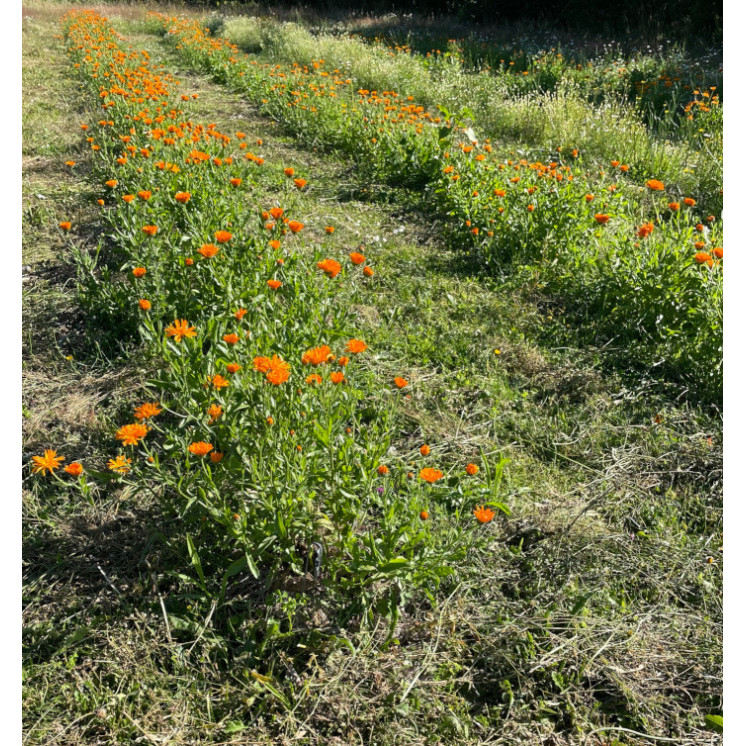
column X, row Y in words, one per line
column 111, row 183
column 589, row 198
column 425, row 449
column 236, row 182
column 223, row 236
column 699, row 244
column 214, row 411
column 139, row 271
column 233, row 367
column 471, row 469
column 718, row 252
column 655, row 185
column 424, row 515
column 48, row 462
column 356, row 258
column 499, row 192
column 150, row 230
column 289, row 172
column 189, row 261
column 131, row 435
column 624, row 168
column 314, row 378
column 128, row 198
column 356, row 346
column 702, row 257
column 674, row 206
column 144, row 194
column 383, row 470
column 431, row 475
column 76, row 468
column 274, row 284
column 275, row 244
column 329, row 229
column 262, row 364
column 295, row 226
column 208, row 250
column 400, row 382
column 147, row 410
column 601, row 218
column 275, row 212
column 144, row 304
column 240, row 313
column 614, row 164
column 699, row 227
column 645, row 230
column 279, row 371
column 329, row 267
column 531, row 208
column 120, row 464
column 316, row 356
column 218, row 381
column 216, row 457
column 337, row 377
column 300, row 183
column 200, row 448
column 182, row 197
column 70, row 163
column 689, row 202
column 65, row 226
column 230, row 339
column 343, row 362
column 179, row 329
column 367, row 271
column 100, row 202
column 483, row 515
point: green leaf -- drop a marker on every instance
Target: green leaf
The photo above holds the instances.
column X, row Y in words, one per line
column 194, row 557
column 714, row 722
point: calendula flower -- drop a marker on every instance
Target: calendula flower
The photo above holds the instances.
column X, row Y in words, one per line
column 356, row 346
column 589, row 198
column 131, row 435
column 179, row 329
column 356, row 258
column 216, row 457
column 471, row 469
column 718, row 252
column 400, row 382
column 299, row 183
column 144, row 194
column 674, row 206
column 128, row 198
column 289, row 172
column 316, row 356
column 147, row 410
column 231, row 339
column 208, row 250
column 424, row 515
column 614, row 164
column 367, row 271
column 262, row 364
column 329, row 267
column 645, row 230
column 240, row 313
column 329, row 229
column 274, row 284
column 275, row 244
column 314, row 378
column 343, row 362
column 182, row 197
column 702, row 257
column 279, row 371
column 236, row 182
column 430, row 475
column 144, row 304
column 337, row 377
column 383, row 470
column 601, row 218
column 655, row 185
column 217, row 381
column 150, row 230
column 295, row 226
column 483, row 515
column 223, row 236
column 233, row 367
column 139, row 271
column 689, row 202
column 65, row 226
column 47, row 463
column 425, row 449
column 76, row 468
column 200, row 448
column 70, row 163
column 275, row 212
column 111, row 183
column 215, row 410
column 120, row 464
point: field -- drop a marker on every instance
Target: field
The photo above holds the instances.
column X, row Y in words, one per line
column 372, row 376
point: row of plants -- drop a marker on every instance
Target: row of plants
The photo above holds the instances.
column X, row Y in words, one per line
column 264, row 430
column 636, row 260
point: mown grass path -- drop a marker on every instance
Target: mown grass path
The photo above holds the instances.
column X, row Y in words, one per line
column 566, row 627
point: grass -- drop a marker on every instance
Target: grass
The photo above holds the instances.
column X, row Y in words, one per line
column 595, row 605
